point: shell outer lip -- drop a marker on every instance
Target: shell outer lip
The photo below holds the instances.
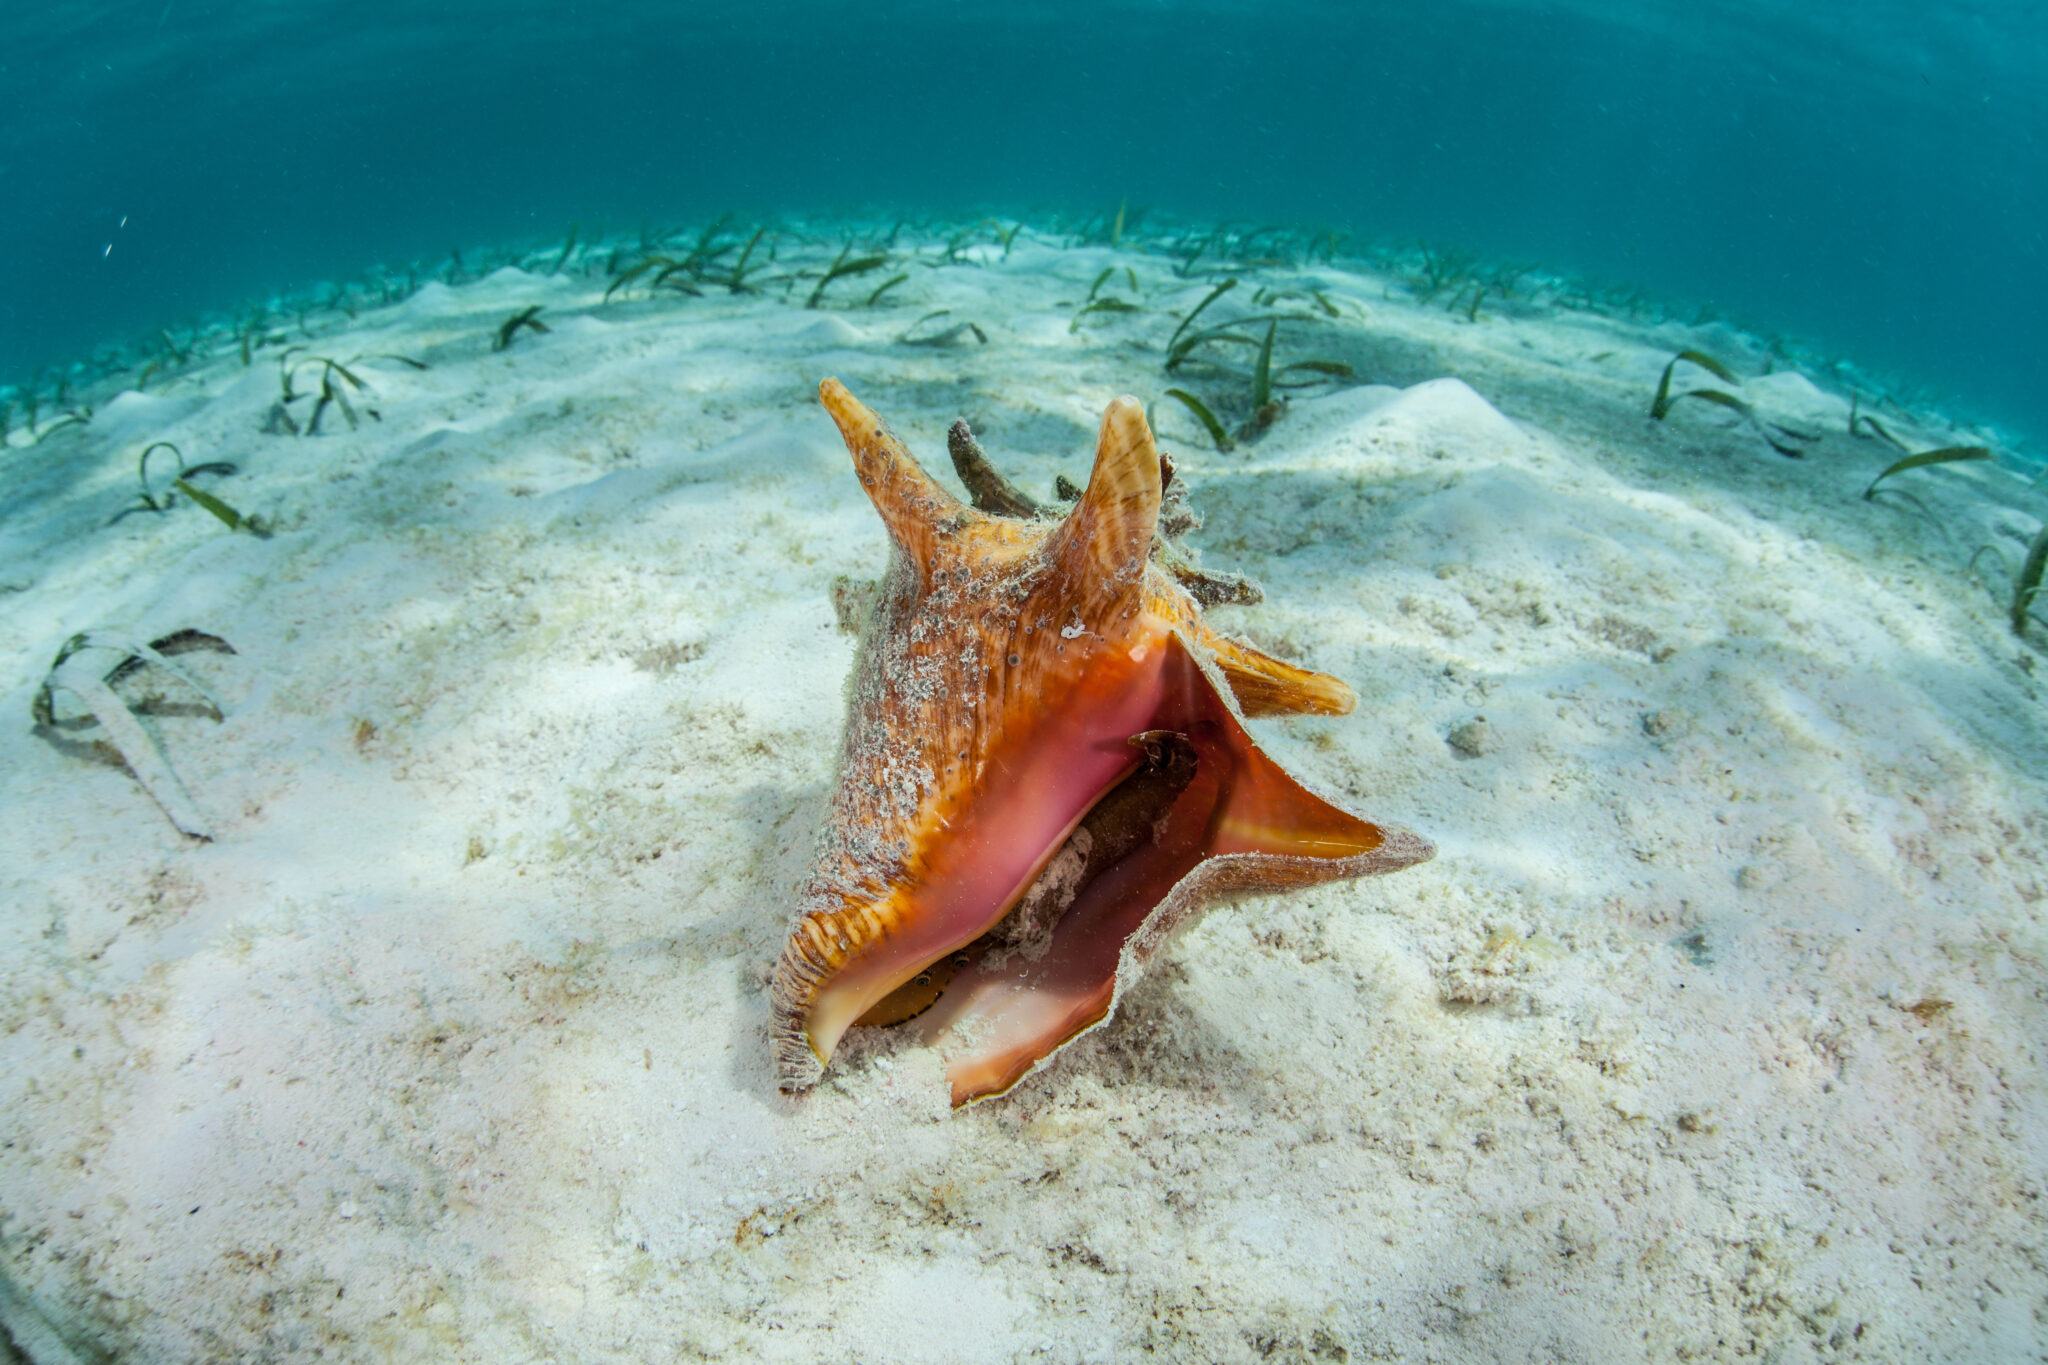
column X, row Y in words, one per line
column 1217, row 879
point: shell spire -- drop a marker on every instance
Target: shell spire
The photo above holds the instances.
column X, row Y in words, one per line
column 915, row 507
column 1103, row 544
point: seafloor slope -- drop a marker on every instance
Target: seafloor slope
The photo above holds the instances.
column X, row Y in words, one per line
column 1712, row 1033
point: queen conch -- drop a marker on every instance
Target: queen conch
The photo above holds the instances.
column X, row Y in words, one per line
column 1046, row 769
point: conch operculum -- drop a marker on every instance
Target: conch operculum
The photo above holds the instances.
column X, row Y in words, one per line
column 1041, row 723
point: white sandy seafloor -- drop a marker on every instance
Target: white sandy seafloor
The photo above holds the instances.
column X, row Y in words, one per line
column 1712, row 1033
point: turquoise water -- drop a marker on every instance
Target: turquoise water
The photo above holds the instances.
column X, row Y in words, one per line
column 1869, row 179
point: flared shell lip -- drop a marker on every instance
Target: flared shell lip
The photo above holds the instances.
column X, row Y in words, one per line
column 1034, row 771
column 1221, row 877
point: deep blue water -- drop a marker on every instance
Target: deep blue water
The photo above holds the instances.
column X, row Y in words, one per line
column 1869, row 177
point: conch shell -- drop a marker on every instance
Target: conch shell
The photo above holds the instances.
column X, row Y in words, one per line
column 1045, row 772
